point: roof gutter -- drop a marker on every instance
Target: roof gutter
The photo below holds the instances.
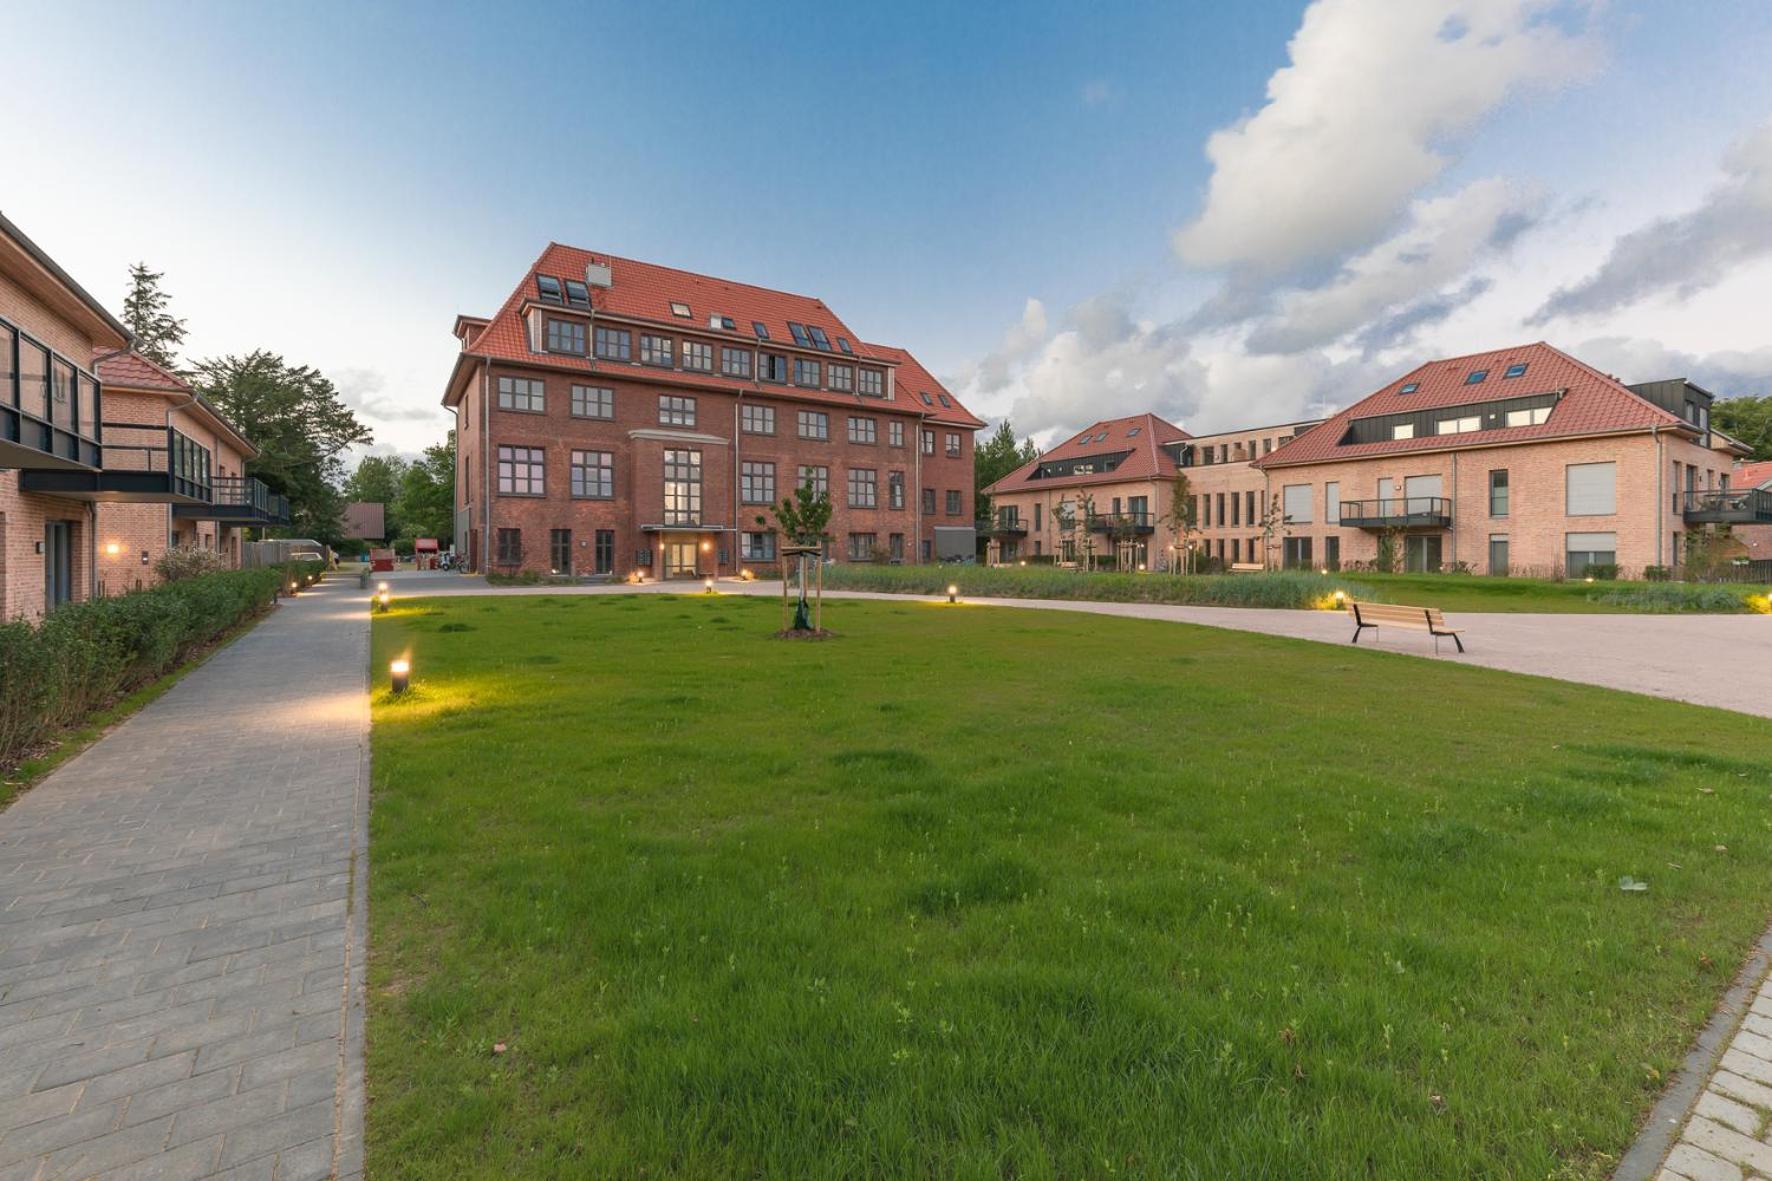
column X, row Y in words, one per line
column 43, row 260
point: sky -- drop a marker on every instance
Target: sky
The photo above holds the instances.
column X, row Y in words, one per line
column 1231, row 214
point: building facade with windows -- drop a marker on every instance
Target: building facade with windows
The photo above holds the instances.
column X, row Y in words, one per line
column 616, row 417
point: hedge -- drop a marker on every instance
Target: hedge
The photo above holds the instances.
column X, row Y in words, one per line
column 82, row 656
column 1274, row 588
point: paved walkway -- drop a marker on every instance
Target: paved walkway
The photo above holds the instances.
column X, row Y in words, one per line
column 182, row 924
column 1705, row 659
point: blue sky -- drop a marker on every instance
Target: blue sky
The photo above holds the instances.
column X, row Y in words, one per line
column 337, row 181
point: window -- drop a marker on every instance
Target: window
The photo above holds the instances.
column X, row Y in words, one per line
column 843, row 343
column 1582, row 550
column 1102, row 437
column 614, row 344
column 1249, row 511
column 819, row 339
column 953, row 444
column 1295, row 502
column 928, row 442
column 895, row 547
column 805, row 371
column 863, row 430
column 1403, row 430
column 929, row 502
column 698, row 355
column 756, row 420
column 605, row 551
column 861, row 546
column 577, row 294
column 521, row 393
column 895, row 490
column 1331, row 503
column 1410, row 388
column 1498, row 554
column 521, row 471
column 674, row 410
column 772, row 367
column 864, row 488
column 1517, row 370
column 1475, row 376
column 1530, row 417
column 1296, row 553
column 756, row 483
column 842, row 376
column 560, row 550
column 1331, row 553
column 593, row 475
column 510, row 547
column 735, row 362
column 928, row 401
column 757, row 547
column 818, row 475
column 895, row 434
column 873, row 384
column 800, row 337
column 1459, row 426
column 953, row 504
column 1498, row 492
column 761, row 329
column 566, row 336
column 655, row 350
column 680, row 309
column 548, row 288
column 814, row 424
column 590, row 401
column 1592, row 489
column 927, row 547
column 682, row 487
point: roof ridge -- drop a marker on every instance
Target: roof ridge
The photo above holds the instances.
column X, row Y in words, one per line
column 640, row 262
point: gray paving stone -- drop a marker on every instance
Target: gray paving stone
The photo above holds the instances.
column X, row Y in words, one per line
column 178, row 931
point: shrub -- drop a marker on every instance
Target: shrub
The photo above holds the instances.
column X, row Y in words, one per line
column 1657, row 573
column 1288, row 588
column 1601, row 571
column 187, row 561
column 1667, row 597
column 82, row 655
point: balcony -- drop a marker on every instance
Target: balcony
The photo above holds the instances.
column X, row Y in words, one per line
column 1009, row 525
column 48, row 408
column 1726, row 507
column 1125, row 524
column 237, row 500
column 1398, row 512
column 141, row 465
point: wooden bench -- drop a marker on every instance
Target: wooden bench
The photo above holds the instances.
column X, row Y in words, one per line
column 1427, row 619
column 1246, row 567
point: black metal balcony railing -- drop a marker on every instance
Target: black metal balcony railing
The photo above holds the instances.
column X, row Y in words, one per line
column 1127, row 522
column 238, row 500
column 1398, row 512
column 1725, row 506
column 142, row 464
column 1009, row 525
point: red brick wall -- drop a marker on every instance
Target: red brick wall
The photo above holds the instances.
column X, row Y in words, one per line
column 22, row 519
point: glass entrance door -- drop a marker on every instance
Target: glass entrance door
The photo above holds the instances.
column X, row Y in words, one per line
column 58, row 564
column 679, row 559
column 1421, row 553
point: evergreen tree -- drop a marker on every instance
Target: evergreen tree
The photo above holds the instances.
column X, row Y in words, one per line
column 158, row 333
column 995, row 458
column 1748, row 419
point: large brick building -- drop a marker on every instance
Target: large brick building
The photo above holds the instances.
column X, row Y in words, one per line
column 615, row 417
column 1521, row 460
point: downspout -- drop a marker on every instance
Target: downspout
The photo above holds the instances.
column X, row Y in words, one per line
column 917, row 466
column 737, row 537
column 1660, row 499
column 486, row 462
column 1458, row 519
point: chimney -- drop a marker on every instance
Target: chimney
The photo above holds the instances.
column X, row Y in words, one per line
column 599, row 274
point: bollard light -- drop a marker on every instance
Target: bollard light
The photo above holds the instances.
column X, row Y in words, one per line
column 382, row 587
column 294, row 586
column 1589, row 579
column 399, row 672
column 707, row 584
column 383, row 600
column 1340, row 597
column 953, row 593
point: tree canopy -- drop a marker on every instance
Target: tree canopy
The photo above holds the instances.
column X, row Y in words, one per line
column 1748, row 419
column 995, row 458
column 158, row 333
column 427, row 493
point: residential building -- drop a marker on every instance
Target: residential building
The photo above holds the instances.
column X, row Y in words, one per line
column 616, row 417
column 1519, row 460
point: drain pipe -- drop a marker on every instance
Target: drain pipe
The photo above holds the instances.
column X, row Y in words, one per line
column 1660, row 500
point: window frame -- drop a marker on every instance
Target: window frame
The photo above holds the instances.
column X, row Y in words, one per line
column 536, row 394
column 534, row 461
column 863, row 493
column 819, row 418
column 676, row 410
column 612, row 344
column 750, row 413
column 585, row 475
column 580, row 399
column 653, row 345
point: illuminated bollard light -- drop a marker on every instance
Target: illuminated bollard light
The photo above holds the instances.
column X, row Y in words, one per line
column 400, row 672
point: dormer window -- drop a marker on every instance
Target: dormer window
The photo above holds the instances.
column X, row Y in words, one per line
column 800, row 337
column 549, row 289
column 843, row 343
column 1410, row 388
column 819, row 339
column 566, row 336
column 1475, row 376
column 680, row 309
column 1515, row 370
column 761, row 329
column 577, row 294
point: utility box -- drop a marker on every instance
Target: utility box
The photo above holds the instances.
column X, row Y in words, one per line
column 956, row 543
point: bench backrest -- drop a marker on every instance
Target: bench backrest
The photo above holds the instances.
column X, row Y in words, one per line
column 1246, row 567
column 1397, row 615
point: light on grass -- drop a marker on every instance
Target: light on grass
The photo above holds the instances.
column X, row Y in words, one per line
column 708, row 585
column 382, row 599
column 381, row 587
column 1589, row 578
column 399, row 674
column 953, row 593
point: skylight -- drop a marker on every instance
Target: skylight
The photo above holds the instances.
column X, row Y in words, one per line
column 726, row 322
column 800, row 337
column 1516, row 370
column 1410, row 388
column 679, row 309
column 843, row 343
column 819, row 338
column 943, row 399
column 928, row 401
column 549, row 287
column 1132, row 432
column 1101, row 438
column 761, row 329
column 1475, row 376
column 577, row 294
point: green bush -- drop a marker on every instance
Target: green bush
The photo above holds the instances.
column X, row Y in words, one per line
column 82, row 655
column 1288, row 588
column 1668, row 597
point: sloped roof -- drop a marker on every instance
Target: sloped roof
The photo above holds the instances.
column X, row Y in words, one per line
column 918, row 385
column 645, row 291
column 1752, row 475
column 1143, row 435
column 1592, row 403
column 128, row 369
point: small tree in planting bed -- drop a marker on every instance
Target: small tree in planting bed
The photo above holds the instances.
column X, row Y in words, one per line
column 800, row 524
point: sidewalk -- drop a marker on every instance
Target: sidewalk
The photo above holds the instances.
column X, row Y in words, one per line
column 182, row 924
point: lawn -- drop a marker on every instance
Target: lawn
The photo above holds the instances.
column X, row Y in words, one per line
column 982, row 893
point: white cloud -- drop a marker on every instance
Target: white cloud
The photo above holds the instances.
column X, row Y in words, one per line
column 1724, row 372
column 1689, row 253
column 1358, row 122
column 362, row 390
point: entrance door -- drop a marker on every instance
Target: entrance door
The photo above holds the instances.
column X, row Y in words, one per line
column 58, row 564
column 680, row 559
column 1421, row 553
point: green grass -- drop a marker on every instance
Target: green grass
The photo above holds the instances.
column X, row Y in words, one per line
column 977, row 893
column 1304, row 589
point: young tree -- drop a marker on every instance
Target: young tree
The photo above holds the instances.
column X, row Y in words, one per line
column 1274, row 526
column 1064, row 523
column 1180, row 519
column 1085, row 521
column 802, row 519
column 300, row 424
column 158, row 333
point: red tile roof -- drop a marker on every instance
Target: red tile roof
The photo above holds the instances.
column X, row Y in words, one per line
column 1752, row 475
column 1141, row 434
column 1592, row 403
column 645, row 291
column 918, row 386
column 131, row 370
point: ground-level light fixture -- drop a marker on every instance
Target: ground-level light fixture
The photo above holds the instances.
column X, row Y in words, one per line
column 1589, row 578
column 953, row 593
column 383, row 600
column 707, row 584
column 294, row 586
column 399, row 674
column 382, row 587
